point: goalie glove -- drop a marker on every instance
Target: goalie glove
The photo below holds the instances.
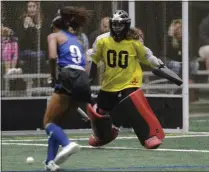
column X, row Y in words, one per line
column 156, row 62
column 164, row 72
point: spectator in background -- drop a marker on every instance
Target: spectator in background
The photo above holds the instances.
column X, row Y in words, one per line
column 29, row 33
column 174, row 46
column 174, row 53
column 103, row 28
column 204, row 40
column 31, row 23
column 9, row 53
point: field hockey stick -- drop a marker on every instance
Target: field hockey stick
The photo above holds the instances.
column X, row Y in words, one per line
column 83, row 114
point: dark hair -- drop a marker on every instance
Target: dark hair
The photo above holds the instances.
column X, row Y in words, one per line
column 57, row 22
column 74, row 17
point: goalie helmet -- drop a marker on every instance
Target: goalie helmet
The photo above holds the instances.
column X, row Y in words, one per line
column 119, row 25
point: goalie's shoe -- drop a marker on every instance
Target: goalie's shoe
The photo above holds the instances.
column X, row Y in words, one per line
column 96, row 142
column 66, row 151
column 51, row 166
column 152, row 143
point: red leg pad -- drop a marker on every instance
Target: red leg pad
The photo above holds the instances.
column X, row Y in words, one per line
column 104, row 131
column 152, row 143
column 146, row 112
column 96, row 142
column 92, row 112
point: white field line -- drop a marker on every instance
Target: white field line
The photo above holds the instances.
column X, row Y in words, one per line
column 201, row 120
column 198, row 133
column 117, row 148
column 25, row 144
column 85, row 139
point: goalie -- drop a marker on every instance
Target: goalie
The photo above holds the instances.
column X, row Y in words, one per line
column 121, row 52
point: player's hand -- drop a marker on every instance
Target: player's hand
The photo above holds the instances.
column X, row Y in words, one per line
column 160, row 63
column 156, row 62
column 28, row 22
column 51, row 81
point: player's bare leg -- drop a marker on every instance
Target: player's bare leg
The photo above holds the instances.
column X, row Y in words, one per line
column 58, row 104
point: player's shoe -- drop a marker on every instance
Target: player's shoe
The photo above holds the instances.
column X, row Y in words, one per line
column 96, row 142
column 152, row 143
column 66, row 151
column 51, row 166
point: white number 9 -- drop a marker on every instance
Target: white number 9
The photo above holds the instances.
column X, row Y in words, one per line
column 75, row 53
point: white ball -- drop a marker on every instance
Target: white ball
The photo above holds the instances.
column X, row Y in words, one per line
column 30, row 160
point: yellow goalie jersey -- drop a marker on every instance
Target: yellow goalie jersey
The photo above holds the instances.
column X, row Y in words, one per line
column 121, row 60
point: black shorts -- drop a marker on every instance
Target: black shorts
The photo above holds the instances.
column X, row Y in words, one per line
column 108, row 100
column 75, row 83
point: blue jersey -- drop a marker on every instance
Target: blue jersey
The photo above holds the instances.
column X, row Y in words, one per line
column 71, row 52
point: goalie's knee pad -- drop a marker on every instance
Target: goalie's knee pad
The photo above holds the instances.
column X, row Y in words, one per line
column 102, row 128
column 141, row 118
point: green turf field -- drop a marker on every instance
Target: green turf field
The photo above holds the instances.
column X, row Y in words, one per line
column 188, row 152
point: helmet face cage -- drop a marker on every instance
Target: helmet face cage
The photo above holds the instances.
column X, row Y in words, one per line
column 119, row 25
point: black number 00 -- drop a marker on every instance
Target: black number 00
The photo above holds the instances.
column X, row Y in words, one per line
column 123, row 63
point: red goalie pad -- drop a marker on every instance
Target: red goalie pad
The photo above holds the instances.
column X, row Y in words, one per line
column 139, row 114
column 104, row 131
column 146, row 112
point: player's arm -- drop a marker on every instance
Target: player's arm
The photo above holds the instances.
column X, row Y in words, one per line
column 153, row 60
column 95, row 54
column 52, row 54
column 160, row 69
column 146, row 56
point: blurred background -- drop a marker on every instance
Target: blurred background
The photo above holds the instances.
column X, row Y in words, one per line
column 26, row 24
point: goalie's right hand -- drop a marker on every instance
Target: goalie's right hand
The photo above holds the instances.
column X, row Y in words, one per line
column 160, row 63
column 156, row 62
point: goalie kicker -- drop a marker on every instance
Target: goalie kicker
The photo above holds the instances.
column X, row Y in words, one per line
column 137, row 110
column 104, row 130
column 141, row 118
